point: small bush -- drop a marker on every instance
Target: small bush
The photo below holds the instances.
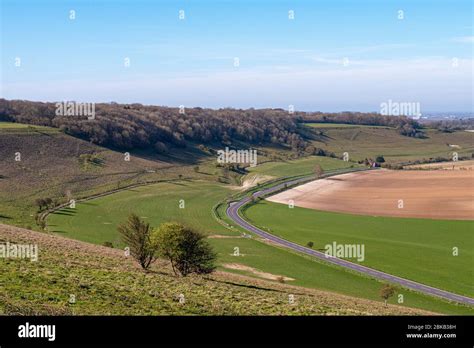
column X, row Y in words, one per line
column 386, row 292
column 187, row 250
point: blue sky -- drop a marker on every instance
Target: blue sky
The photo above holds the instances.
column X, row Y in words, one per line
column 334, row 55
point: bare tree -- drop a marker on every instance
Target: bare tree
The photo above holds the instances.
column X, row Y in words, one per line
column 136, row 235
column 318, row 170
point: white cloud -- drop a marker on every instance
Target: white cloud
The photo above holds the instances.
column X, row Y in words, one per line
column 464, row 39
column 433, row 82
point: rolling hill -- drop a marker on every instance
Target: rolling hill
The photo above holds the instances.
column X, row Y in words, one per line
column 77, row 278
column 107, row 188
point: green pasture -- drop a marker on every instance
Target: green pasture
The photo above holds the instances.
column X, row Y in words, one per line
column 416, row 249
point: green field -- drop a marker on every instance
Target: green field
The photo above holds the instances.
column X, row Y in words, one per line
column 362, row 142
column 11, row 126
column 299, row 167
column 311, row 273
column 161, row 202
column 95, row 221
column 417, row 249
column 341, row 125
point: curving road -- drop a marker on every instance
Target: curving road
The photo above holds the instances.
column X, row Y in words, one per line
column 233, row 214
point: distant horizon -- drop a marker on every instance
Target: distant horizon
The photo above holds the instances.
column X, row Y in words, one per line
column 231, row 107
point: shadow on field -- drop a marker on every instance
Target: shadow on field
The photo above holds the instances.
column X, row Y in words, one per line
column 335, row 179
column 5, row 217
column 246, row 286
column 58, row 231
column 66, row 211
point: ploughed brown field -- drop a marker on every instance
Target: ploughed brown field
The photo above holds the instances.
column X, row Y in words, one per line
column 435, row 194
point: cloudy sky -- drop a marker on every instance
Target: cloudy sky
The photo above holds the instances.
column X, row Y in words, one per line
column 329, row 55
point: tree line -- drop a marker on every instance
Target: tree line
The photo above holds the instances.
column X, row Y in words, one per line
column 137, row 126
column 449, row 126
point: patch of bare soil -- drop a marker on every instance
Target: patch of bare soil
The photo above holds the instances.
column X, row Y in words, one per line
column 435, row 194
column 252, row 180
column 260, row 274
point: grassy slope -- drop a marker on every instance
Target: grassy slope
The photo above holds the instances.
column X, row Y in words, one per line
column 20, row 127
column 417, row 249
column 160, row 202
column 340, row 125
column 368, row 142
column 50, row 167
column 310, row 273
column 96, row 221
column 105, row 282
column 265, row 257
